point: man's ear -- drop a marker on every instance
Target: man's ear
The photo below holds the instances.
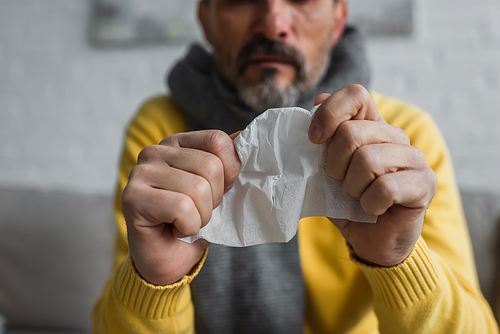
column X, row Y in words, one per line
column 203, row 17
column 340, row 14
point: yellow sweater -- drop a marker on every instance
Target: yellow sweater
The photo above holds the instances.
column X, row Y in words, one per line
column 435, row 290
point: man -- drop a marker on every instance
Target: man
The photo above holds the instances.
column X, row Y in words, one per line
column 411, row 272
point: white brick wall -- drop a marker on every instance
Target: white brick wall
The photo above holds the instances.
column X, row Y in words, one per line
column 451, row 68
column 64, row 105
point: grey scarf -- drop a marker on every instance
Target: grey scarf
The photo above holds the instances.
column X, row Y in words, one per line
column 256, row 289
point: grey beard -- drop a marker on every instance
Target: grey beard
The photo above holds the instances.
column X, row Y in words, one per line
column 266, row 95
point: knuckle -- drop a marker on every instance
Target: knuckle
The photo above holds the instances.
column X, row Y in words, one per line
column 129, row 195
column 219, row 141
column 184, row 205
column 201, row 188
column 134, row 173
column 365, row 159
column 137, row 173
column 432, row 180
column 387, row 187
column 421, row 156
column 357, row 90
column 351, row 189
column 348, row 135
column 418, row 156
column 332, row 169
column 400, row 135
column 171, row 140
column 148, row 153
column 213, row 166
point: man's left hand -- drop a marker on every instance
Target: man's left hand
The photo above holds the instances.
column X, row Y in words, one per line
column 379, row 166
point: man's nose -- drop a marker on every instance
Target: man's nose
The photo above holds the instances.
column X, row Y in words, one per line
column 272, row 19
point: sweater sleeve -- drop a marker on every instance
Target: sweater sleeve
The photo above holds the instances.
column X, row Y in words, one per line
column 435, row 290
column 128, row 303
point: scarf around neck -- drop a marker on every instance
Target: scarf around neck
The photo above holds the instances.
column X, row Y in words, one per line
column 257, row 289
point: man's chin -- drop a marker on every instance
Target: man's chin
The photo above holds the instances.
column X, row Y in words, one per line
column 266, row 95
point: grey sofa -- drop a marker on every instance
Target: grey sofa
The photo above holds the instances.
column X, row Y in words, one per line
column 55, row 255
column 56, row 250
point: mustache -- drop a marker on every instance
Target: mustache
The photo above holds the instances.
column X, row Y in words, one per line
column 265, row 46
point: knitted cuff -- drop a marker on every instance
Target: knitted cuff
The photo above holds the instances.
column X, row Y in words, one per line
column 402, row 285
column 148, row 300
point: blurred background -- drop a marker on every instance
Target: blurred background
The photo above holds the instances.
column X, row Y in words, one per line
column 73, row 72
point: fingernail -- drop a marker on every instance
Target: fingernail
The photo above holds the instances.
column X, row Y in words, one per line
column 315, row 132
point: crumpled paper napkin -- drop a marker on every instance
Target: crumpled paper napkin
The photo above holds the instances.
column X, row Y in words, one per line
column 282, row 180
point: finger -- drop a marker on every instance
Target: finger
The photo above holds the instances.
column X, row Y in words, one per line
column 215, row 142
column 234, row 135
column 197, row 187
column 204, row 164
column 150, row 208
column 351, row 102
column 321, row 98
column 351, row 135
column 411, row 189
column 372, row 161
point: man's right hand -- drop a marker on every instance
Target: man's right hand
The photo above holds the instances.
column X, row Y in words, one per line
column 171, row 193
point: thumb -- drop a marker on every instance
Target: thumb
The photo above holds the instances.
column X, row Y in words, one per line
column 234, row 135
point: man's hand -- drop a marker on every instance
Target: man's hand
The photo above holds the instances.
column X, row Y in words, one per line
column 391, row 178
column 171, row 193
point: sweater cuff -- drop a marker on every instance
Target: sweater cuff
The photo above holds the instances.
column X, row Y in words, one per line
column 148, row 300
column 405, row 284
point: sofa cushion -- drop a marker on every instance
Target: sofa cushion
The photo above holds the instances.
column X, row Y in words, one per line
column 55, row 255
column 482, row 211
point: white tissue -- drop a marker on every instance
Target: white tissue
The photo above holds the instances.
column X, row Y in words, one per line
column 282, row 180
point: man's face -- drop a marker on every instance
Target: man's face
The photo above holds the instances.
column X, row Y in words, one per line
column 272, row 50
